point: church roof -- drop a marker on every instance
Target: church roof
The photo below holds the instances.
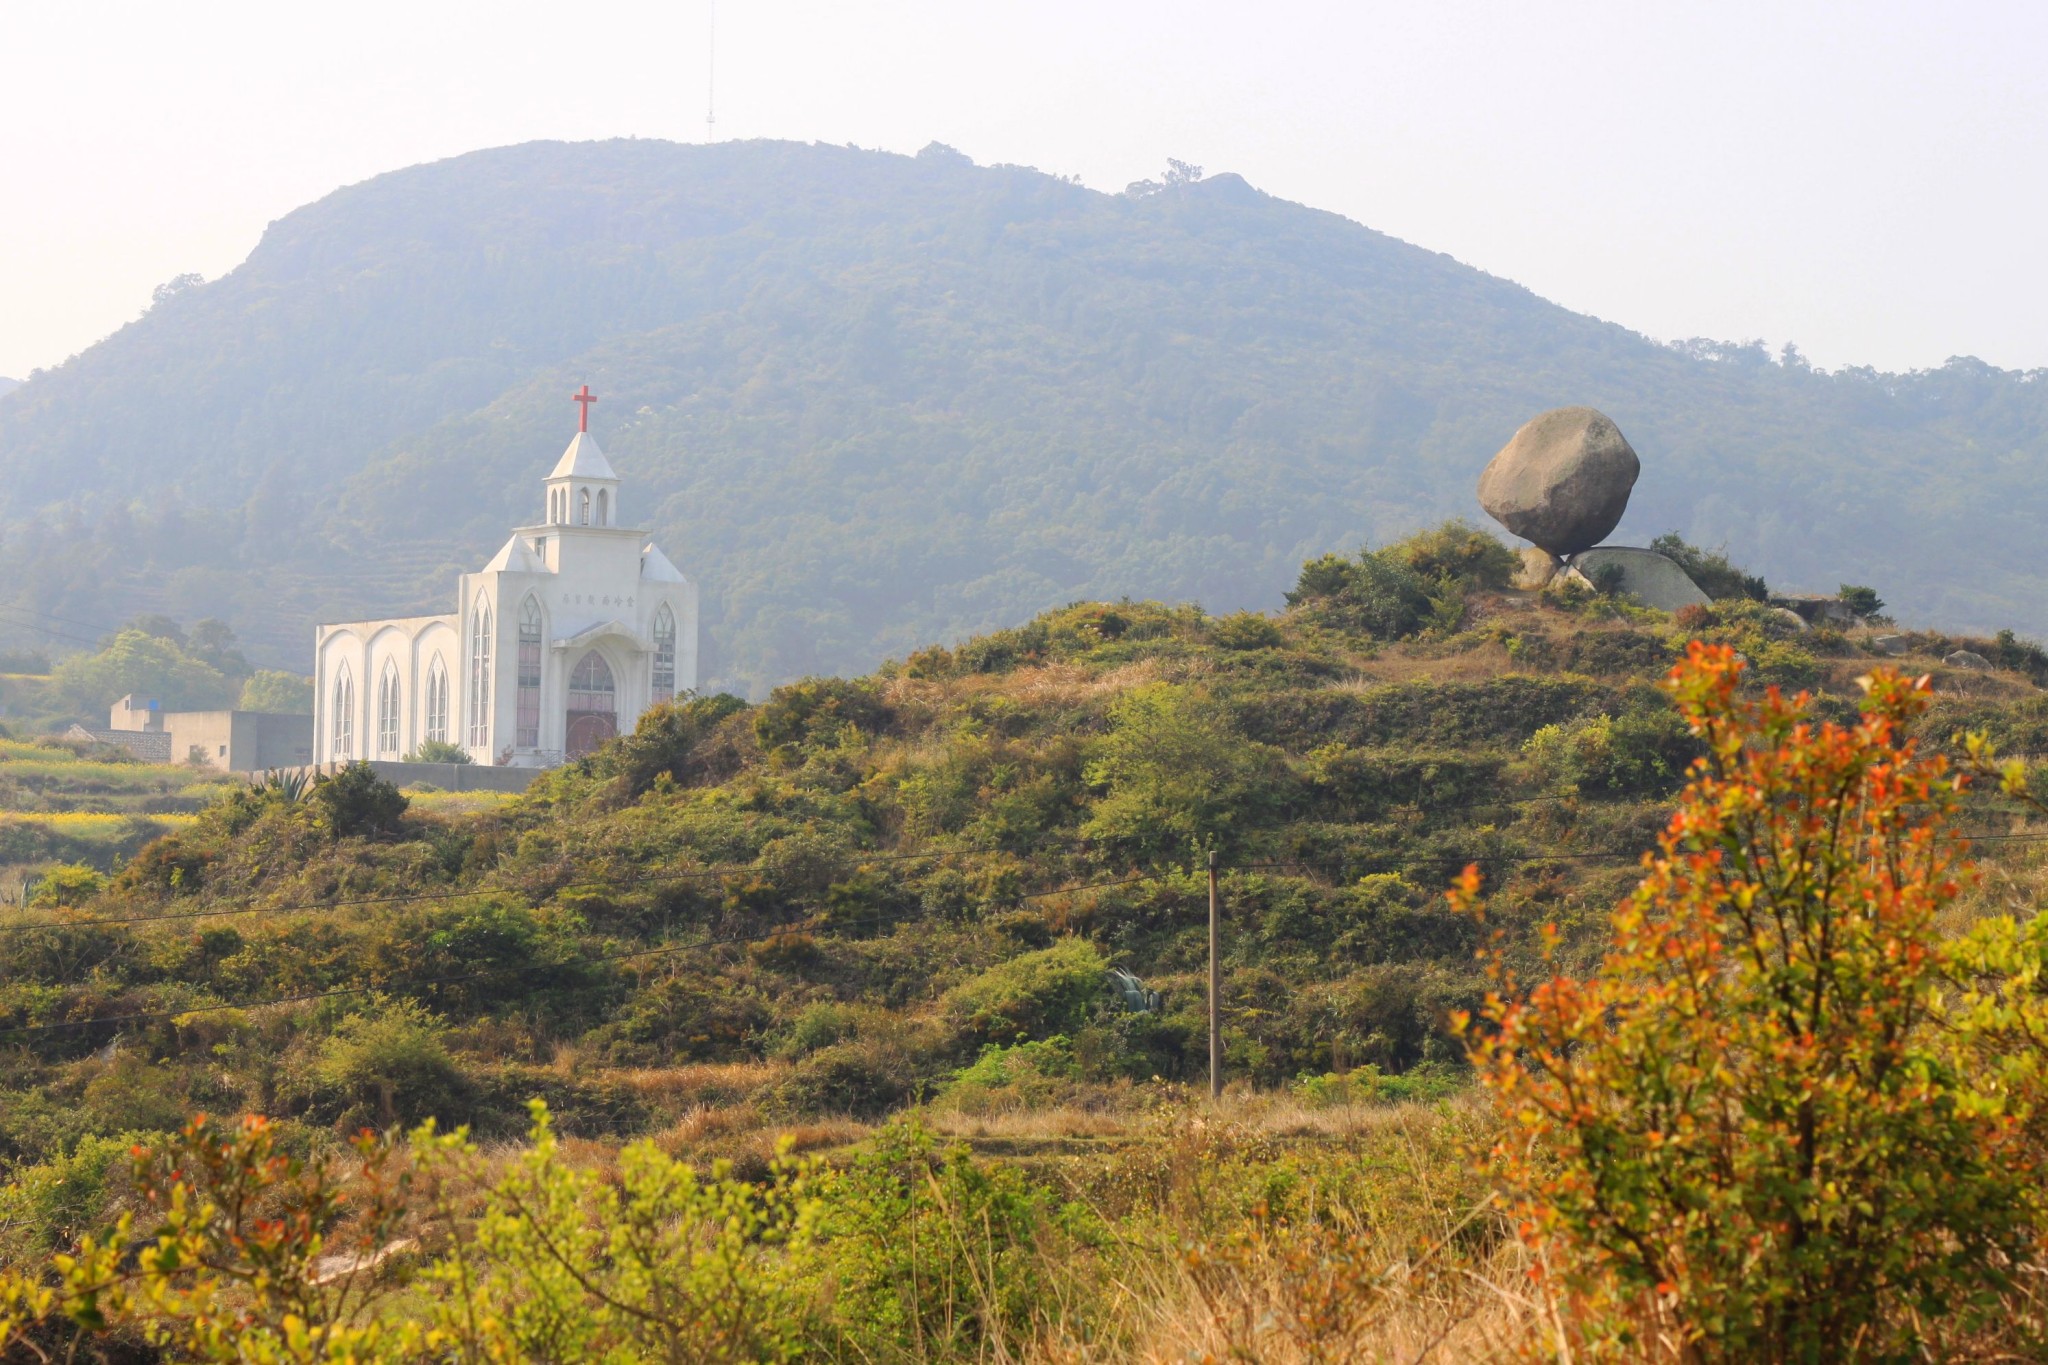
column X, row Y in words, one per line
column 655, row 568
column 583, row 460
column 515, row 557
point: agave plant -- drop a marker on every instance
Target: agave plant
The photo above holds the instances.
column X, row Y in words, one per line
column 290, row 783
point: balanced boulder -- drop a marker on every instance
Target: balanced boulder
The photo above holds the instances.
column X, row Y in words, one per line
column 1563, row 481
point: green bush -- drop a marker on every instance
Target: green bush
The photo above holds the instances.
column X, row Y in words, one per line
column 387, row 1065
column 816, row 711
column 1246, row 630
column 1034, row 995
column 1368, row 595
column 863, row 1078
column 355, row 801
column 973, row 1281
column 1641, row 753
column 1710, row 570
column 67, row 884
column 48, row 1206
column 685, row 740
column 1456, row 552
column 439, row 751
column 819, row 1026
column 1022, row 1075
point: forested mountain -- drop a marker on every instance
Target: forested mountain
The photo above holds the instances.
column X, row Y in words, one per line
column 872, row 400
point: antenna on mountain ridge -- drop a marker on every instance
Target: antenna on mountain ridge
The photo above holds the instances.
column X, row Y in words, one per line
column 711, row 78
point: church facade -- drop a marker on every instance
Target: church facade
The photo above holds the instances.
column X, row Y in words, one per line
column 572, row 630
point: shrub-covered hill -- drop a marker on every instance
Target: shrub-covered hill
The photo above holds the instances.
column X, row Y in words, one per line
column 912, row 885
column 874, row 401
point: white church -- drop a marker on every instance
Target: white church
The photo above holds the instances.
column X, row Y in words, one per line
column 572, row 630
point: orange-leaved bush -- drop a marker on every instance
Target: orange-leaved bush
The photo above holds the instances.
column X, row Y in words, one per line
column 1741, row 1137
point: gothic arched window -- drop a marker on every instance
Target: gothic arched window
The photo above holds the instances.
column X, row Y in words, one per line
column 590, row 686
column 603, row 508
column 583, row 516
column 480, row 677
column 664, row 655
column 387, row 711
column 343, row 730
column 529, row 675
column 437, row 701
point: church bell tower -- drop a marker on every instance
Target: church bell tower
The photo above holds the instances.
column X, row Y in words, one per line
column 583, row 490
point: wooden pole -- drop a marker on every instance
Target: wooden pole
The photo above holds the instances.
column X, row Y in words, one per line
column 1215, row 987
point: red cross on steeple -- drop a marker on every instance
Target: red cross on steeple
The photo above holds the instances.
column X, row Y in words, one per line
column 586, row 398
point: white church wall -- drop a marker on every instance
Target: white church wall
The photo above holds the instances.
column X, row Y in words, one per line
column 359, row 651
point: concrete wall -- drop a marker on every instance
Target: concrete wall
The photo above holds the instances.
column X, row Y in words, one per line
column 454, row 777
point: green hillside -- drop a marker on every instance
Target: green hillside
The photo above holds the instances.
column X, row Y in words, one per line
column 836, row 887
column 872, row 400
column 874, row 921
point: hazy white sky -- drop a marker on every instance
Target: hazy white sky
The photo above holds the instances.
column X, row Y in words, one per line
column 1867, row 179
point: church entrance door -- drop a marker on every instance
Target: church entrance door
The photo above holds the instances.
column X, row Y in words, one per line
column 593, row 705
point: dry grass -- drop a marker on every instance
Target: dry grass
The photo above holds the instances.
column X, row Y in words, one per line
column 1287, row 1302
column 704, row 1083
column 1475, row 665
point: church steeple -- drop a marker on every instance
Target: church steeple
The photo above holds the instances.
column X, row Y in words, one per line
column 583, row 490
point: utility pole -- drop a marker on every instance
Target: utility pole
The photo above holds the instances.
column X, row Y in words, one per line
column 1215, row 987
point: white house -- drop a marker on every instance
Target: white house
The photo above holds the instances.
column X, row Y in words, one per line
column 576, row 626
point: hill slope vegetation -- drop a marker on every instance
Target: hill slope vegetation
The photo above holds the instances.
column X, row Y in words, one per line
column 867, row 911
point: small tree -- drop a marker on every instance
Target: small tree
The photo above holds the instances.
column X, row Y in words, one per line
column 357, row 801
column 1175, row 775
column 1740, row 1133
column 1863, row 603
column 271, row 690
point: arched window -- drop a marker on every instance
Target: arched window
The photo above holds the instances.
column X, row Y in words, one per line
column 387, row 711
column 529, row 675
column 593, row 707
column 590, row 686
column 437, row 701
column 583, row 515
column 664, row 655
column 480, row 677
column 603, row 507
column 343, row 731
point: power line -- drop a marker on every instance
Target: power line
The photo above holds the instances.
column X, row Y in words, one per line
column 100, row 626
column 50, row 631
